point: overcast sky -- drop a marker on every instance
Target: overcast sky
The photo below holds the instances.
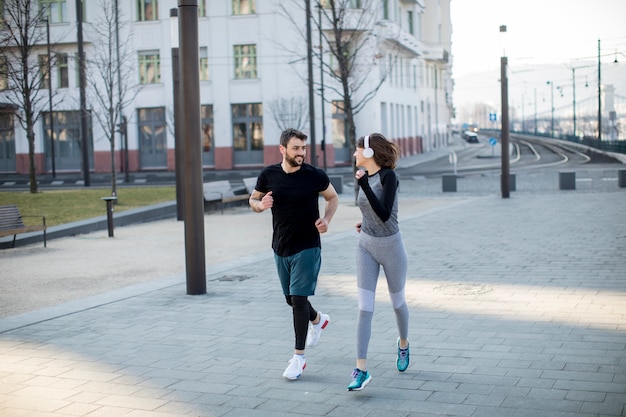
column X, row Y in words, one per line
column 539, row 32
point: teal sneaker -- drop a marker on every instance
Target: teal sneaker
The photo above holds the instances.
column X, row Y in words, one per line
column 403, row 358
column 359, row 380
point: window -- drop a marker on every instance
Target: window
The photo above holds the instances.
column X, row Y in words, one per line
column 204, row 64
column 354, row 4
column 67, row 136
column 44, row 71
column 152, row 137
column 147, row 10
column 62, row 71
column 4, row 73
column 206, row 113
column 386, row 9
column 201, row 8
column 410, row 19
column 77, row 67
column 149, row 67
column 243, row 7
column 245, row 62
column 339, row 125
column 54, row 10
column 247, row 126
column 7, row 141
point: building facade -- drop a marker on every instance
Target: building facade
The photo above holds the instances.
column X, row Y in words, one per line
column 253, row 83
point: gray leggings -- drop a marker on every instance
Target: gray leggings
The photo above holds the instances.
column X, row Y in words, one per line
column 372, row 253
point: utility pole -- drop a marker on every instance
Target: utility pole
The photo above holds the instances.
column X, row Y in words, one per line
column 319, row 14
column 83, row 100
column 123, row 135
column 309, row 56
column 178, row 147
column 193, row 206
column 504, row 83
column 599, row 96
column 54, row 172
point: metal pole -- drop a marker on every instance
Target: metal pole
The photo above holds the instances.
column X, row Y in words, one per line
column 574, row 97
column 54, row 173
column 83, row 100
column 192, row 150
column 535, row 111
column 319, row 11
column 311, row 93
column 123, row 138
column 505, row 186
column 599, row 96
column 551, row 84
column 178, row 148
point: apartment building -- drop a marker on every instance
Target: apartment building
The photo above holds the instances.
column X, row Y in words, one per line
column 253, row 82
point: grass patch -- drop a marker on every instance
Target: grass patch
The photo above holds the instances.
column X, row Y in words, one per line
column 66, row 206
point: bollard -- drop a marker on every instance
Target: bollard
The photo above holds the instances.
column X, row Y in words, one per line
column 109, row 201
column 621, row 178
column 337, row 182
column 567, row 180
column 448, row 183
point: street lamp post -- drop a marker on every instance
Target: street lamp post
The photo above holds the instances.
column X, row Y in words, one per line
column 310, row 75
column 123, row 121
column 551, row 84
column 599, row 96
column 54, row 173
column 193, row 207
column 319, row 16
column 504, row 178
column 83, row 99
column 178, row 151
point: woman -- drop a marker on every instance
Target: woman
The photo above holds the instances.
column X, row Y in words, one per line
column 380, row 244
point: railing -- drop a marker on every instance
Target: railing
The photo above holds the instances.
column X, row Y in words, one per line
column 618, row 146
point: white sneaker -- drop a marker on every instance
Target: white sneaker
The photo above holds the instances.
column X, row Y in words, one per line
column 295, row 368
column 315, row 330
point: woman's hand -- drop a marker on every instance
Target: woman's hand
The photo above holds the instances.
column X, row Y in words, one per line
column 358, row 227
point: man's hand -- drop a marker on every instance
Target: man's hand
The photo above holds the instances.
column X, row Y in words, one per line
column 322, row 225
column 261, row 202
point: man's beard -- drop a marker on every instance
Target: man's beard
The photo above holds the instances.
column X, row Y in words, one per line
column 293, row 162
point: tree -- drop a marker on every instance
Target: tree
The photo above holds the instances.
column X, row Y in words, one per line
column 111, row 62
column 290, row 112
column 21, row 37
column 348, row 36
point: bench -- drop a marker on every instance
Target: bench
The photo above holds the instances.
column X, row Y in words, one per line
column 222, row 192
column 11, row 223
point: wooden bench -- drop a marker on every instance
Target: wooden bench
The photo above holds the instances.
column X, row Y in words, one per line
column 11, row 223
column 222, row 192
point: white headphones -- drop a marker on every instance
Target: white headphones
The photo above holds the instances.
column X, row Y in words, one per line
column 367, row 151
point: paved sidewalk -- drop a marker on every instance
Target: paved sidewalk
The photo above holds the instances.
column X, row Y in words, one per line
column 518, row 308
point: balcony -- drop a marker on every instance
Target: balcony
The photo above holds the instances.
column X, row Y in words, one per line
column 393, row 33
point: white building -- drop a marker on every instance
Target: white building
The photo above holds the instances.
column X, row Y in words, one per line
column 251, row 57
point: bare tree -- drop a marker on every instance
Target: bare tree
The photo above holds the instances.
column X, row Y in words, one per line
column 111, row 63
column 354, row 67
column 290, row 112
column 21, row 37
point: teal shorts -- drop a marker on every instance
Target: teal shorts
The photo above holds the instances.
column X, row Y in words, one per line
column 298, row 272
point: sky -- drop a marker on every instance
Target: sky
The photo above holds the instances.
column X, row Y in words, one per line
column 545, row 39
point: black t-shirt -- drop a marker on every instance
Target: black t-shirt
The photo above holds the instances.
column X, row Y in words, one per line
column 295, row 209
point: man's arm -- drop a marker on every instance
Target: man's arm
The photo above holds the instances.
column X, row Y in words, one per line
column 332, row 202
column 260, row 202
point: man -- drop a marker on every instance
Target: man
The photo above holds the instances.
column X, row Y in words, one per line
column 291, row 189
